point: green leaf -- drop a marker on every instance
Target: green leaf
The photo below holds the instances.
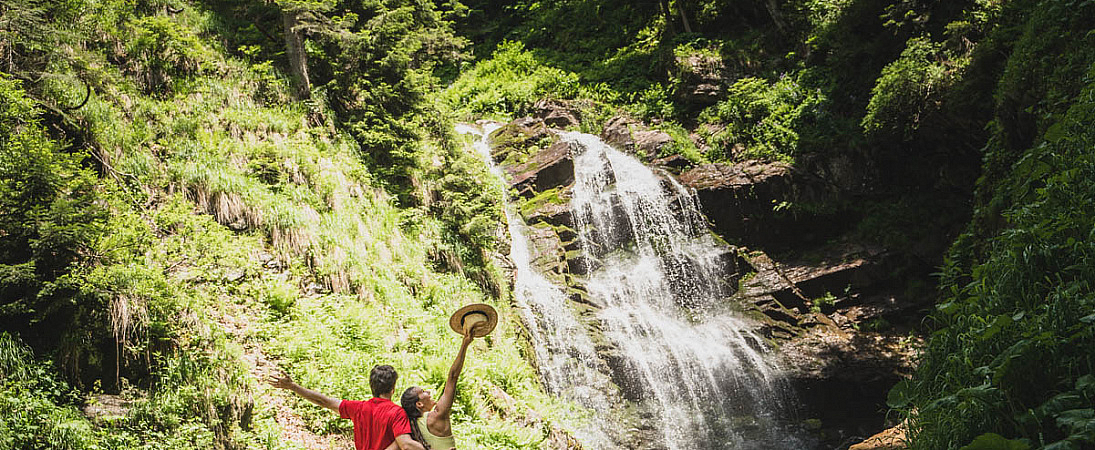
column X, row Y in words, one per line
column 1077, row 421
column 1060, row 403
column 899, row 395
column 998, row 325
column 993, row 441
column 948, row 308
column 1086, row 384
column 1062, row 445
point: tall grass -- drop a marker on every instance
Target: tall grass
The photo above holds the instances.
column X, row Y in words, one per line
column 243, row 226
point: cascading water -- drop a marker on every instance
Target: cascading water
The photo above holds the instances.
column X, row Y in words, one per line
column 565, row 354
column 662, row 281
column 674, row 348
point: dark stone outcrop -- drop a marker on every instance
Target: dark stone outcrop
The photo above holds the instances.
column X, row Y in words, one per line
column 672, row 163
column 557, row 114
column 764, row 205
column 835, row 316
column 633, row 137
column 546, row 252
column 701, row 79
column 545, row 170
column 514, row 142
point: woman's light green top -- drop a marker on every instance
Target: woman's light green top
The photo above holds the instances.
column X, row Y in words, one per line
column 436, row 442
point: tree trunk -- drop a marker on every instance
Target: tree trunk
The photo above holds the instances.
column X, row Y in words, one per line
column 777, row 16
column 684, row 18
column 298, row 58
column 667, row 12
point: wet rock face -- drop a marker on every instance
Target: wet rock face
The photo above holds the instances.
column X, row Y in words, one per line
column 841, row 329
column 759, row 204
column 547, row 169
column 833, row 307
column 540, row 168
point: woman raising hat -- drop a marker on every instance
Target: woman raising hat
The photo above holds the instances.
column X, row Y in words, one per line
column 430, row 420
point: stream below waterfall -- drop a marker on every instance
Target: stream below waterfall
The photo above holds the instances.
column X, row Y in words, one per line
column 661, row 359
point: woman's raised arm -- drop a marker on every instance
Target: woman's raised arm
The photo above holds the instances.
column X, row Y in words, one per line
column 448, row 395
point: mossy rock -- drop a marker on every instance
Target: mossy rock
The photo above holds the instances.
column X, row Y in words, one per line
column 515, row 142
column 539, row 201
column 568, row 235
column 547, row 253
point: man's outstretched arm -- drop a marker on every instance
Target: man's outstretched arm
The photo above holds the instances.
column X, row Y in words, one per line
column 285, row 382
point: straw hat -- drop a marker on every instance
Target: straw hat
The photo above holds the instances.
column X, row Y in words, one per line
column 475, row 312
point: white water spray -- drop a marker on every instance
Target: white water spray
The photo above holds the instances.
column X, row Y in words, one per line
column 675, row 349
column 663, row 282
column 566, row 357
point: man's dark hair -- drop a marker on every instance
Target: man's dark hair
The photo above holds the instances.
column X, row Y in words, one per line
column 382, row 380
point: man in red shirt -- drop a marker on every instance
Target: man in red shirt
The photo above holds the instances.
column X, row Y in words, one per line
column 377, row 422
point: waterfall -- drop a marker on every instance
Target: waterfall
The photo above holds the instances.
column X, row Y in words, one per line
column 663, row 282
column 670, row 343
column 567, row 360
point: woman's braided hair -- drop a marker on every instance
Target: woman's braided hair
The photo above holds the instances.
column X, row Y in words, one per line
column 408, row 401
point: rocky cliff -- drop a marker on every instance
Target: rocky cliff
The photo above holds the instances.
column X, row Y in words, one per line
column 834, row 307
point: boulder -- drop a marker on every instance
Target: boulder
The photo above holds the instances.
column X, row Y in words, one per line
column 672, row 163
column 549, row 168
column 764, row 204
column 105, row 408
column 632, row 136
column 702, row 78
column 514, row 142
column 889, row 439
column 556, row 114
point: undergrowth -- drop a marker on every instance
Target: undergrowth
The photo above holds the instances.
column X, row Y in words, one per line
column 190, row 219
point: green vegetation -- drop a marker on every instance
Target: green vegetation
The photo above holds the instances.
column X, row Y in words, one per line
column 190, row 220
column 762, row 118
column 197, row 193
column 509, row 82
column 1010, row 362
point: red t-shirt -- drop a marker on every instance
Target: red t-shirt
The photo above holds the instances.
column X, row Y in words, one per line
column 377, row 422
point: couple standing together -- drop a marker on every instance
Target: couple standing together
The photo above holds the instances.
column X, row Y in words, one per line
column 421, row 423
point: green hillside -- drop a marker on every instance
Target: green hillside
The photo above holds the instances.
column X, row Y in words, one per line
column 178, row 225
column 197, row 194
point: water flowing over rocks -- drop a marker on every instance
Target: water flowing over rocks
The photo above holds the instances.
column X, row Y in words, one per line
column 832, row 308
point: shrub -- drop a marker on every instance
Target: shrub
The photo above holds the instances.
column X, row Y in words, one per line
column 1014, row 352
column 163, row 51
column 765, row 117
column 910, row 89
column 508, row 83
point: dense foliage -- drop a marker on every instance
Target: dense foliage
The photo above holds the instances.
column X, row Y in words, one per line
column 181, row 219
column 197, row 193
column 1012, row 361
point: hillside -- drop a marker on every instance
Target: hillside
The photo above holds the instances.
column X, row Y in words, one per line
column 178, row 226
column 199, row 194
